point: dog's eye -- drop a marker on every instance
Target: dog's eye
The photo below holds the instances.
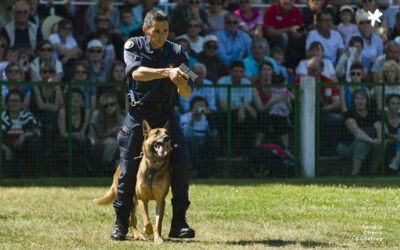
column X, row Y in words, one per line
column 157, row 133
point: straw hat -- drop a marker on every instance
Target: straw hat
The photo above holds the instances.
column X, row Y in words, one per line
column 49, row 26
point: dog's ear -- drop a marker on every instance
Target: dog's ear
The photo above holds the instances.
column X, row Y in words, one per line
column 145, row 127
column 167, row 126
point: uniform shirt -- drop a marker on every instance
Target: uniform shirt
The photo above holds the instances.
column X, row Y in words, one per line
column 137, row 52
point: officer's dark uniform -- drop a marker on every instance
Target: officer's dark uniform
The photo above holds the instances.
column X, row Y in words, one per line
column 157, row 110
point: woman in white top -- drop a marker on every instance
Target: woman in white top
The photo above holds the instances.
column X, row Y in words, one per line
column 194, row 27
column 64, row 44
column 317, row 50
column 390, row 73
column 44, row 50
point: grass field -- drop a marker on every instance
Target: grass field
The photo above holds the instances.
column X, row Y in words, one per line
column 226, row 214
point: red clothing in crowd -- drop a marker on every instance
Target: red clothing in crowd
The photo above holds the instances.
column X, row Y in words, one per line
column 326, row 92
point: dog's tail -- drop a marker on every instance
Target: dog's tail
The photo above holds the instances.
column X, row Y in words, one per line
column 111, row 194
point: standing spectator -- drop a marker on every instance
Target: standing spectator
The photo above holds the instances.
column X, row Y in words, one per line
column 182, row 13
column 216, row 68
column 233, row 43
column 194, row 27
column 253, row 61
column 216, row 15
column 65, row 45
column 21, row 33
column 392, row 52
column 349, row 58
column 105, row 123
column 109, row 9
column 282, row 21
column 45, row 51
column 330, row 39
column 99, row 69
column 207, row 93
column 203, row 141
column 346, row 91
column 21, row 131
column 346, row 28
column 361, row 135
column 251, row 19
column 390, row 73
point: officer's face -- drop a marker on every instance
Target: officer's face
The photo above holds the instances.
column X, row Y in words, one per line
column 157, row 34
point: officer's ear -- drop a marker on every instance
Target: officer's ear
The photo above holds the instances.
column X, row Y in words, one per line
column 144, row 29
column 146, row 128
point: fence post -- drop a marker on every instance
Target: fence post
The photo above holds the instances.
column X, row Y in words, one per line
column 69, row 130
column 296, row 131
column 228, row 131
column 383, row 101
column 307, row 125
column 1, row 132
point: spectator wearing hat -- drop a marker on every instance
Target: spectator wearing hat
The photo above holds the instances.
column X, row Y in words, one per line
column 346, row 28
column 392, row 52
column 233, row 43
column 107, row 7
column 20, row 33
column 99, row 69
column 216, row 67
column 330, row 39
column 379, row 28
column 194, row 27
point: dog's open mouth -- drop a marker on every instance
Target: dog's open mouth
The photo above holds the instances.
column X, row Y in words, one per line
column 161, row 148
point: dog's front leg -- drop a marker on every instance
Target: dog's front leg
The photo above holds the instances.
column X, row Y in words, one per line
column 133, row 223
column 159, row 218
column 148, row 228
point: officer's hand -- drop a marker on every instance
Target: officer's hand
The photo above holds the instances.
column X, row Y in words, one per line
column 178, row 77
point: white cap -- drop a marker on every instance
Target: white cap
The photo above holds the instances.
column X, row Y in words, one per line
column 347, row 7
column 361, row 15
column 95, row 43
column 209, row 38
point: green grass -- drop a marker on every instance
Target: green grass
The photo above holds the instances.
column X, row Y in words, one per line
column 226, row 214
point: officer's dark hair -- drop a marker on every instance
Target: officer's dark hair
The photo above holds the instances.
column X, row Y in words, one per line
column 14, row 92
column 237, row 64
column 154, row 15
column 198, row 99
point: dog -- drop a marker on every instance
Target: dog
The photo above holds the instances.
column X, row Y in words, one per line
column 153, row 180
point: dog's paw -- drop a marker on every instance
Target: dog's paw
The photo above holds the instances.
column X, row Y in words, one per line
column 158, row 239
column 148, row 229
column 138, row 236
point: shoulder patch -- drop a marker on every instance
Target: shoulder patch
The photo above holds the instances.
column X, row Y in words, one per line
column 129, row 44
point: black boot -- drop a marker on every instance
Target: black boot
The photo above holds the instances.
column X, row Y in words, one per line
column 120, row 229
column 179, row 227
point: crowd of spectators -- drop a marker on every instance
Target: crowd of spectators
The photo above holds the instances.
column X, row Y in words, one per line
column 228, row 42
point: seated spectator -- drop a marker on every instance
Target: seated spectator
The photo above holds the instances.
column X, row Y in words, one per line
column 251, row 19
column 216, row 68
column 105, row 123
column 21, row 132
column 3, row 48
column 390, row 73
column 361, row 135
column 11, row 56
column 380, row 28
column 182, row 13
column 20, row 33
column 273, row 106
column 281, row 24
column 80, row 73
column 120, row 92
column 194, row 27
column 24, row 62
column 64, row 10
column 202, row 140
column 242, row 112
column 392, row 52
column 392, row 123
column 349, row 58
column 279, row 57
column 330, row 39
column 105, row 6
column 216, row 15
column 127, row 22
column 44, row 51
column 346, row 91
column 99, row 69
column 314, row 7
column 14, row 74
column 233, row 43
column 65, row 46
column 396, row 29
column 317, row 50
column 80, row 141
column 186, row 45
column 109, row 50
column 207, row 93
column 252, row 62
column 346, row 28
column 373, row 46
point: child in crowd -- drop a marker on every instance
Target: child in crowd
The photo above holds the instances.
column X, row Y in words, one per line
column 108, row 51
column 11, row 56
column 346, row 28
column 278, row 55
column 127, row 22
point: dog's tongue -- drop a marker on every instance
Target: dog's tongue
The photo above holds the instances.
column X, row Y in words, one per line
column 161, row 150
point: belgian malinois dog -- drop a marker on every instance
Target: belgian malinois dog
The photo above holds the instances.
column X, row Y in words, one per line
column 152, row 181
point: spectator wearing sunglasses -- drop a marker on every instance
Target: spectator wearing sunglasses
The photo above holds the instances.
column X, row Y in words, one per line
column 349, row 58
column 251, row 19
column 99, row 69
column 112, row 12
column 14, row 73
column 20, row 33
column 216, row 15
column 233, row 43
column 65, row 46
column 390, row 73
column 45, row 52
column 80, row 74
column 380, row 28
column 194, row 26
column 392, row 52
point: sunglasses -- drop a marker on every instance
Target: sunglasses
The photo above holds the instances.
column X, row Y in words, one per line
column 19, row 12
column 98, row 51
column 111, row 104
column 212, row 47
column 232, row 22
column 45, row 71
column 80, row 72
column 355, row 73
column 102, row 20
column 46, row 49
column 66, row 28
column 193, row 26
column 13, row 71
column 215, row 3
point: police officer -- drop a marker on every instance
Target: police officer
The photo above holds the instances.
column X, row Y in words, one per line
column 153, row 77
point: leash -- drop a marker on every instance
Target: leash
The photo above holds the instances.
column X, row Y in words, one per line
column 140, row 156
